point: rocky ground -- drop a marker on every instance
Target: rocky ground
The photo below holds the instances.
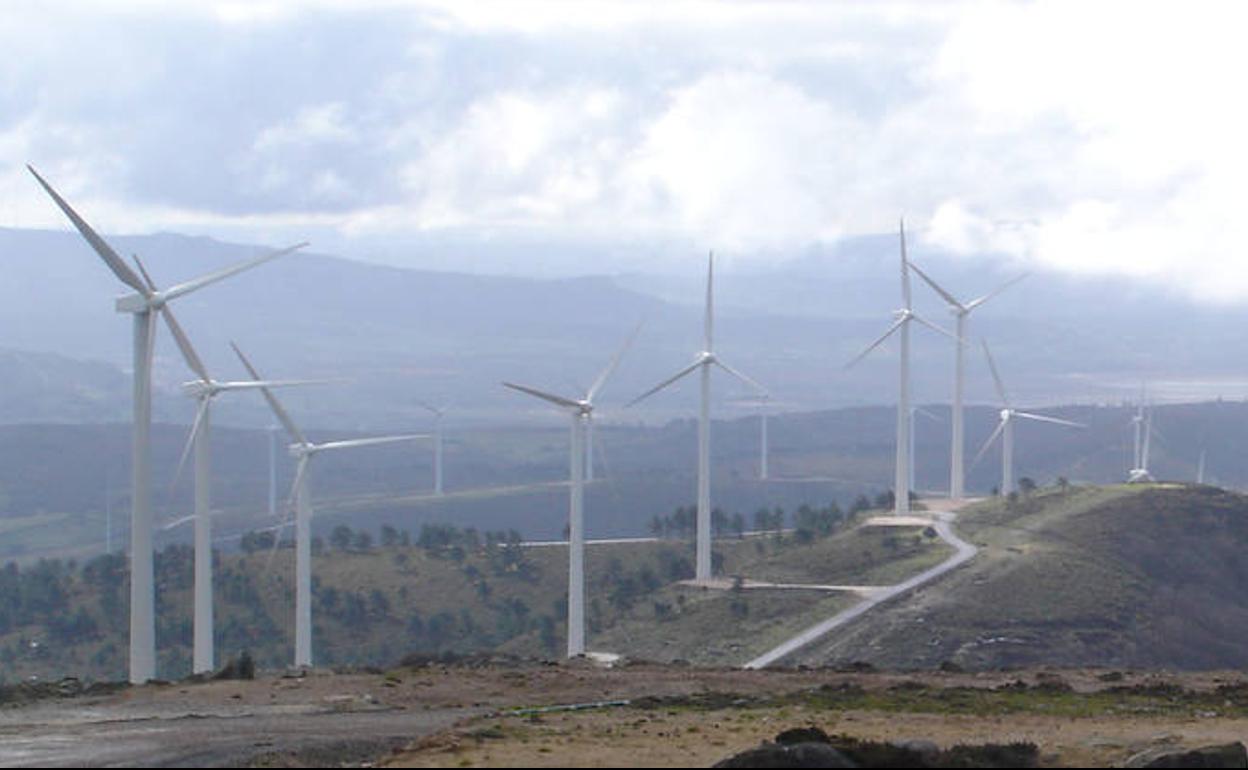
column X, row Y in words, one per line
column 520, row 713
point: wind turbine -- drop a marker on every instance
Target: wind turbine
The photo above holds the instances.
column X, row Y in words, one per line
column 915, row 412
column 581, row 411
column 438, row 414
column 204, row 390
column 905, row 315
column 704, row 360
column 961, row 310
column 303, row 451
column 1005, row 428
column 1143, row 423
column 763, row 403
column 143, row 304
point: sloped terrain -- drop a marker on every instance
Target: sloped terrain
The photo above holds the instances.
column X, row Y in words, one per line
column 1141, row 577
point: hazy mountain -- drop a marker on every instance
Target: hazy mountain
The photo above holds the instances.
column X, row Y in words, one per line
column 402, row 335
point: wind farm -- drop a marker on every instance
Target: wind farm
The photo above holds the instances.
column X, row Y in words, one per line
column 513, row 526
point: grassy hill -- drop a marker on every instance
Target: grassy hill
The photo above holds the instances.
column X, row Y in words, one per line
column 454, row 590
column 1141, row 577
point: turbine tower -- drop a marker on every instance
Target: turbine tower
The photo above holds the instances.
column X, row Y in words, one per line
column 762, row 402
column 906, row 315
column 303, row 451
column 704, row 360
column 581, row 411
column 961, row 311
column 204, row 390
column 438, row 414
column 1005, row 428
column 143, row 304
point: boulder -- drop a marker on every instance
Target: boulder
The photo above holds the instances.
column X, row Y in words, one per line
column 1225, row 755
column 809, row 754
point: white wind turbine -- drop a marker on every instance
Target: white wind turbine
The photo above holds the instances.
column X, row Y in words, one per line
column 763, row 404
column 303, row 452
column 438, row 414
column 581, row 411
column 961, row 311
column 915, row 413
column 143, row 304
column 705, row 359
column 1005, row 428
column 204, row 390
column 905, row 315
column 1143, row 423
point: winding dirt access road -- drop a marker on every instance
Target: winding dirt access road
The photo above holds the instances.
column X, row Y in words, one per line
column 943, row 514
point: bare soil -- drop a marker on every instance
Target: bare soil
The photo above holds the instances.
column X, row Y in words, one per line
column 513, row 713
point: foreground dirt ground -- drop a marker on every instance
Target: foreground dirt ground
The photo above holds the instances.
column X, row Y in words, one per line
column 505, row 713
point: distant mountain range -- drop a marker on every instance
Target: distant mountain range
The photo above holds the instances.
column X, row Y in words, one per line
column 407, row 335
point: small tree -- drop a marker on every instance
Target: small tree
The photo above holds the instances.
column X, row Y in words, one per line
column 340, row 537
column 389, row 536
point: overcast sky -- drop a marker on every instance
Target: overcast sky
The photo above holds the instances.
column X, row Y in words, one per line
column 1091, row 137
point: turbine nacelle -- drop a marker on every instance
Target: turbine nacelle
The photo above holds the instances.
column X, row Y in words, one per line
column 137, row 303
column 201, row 388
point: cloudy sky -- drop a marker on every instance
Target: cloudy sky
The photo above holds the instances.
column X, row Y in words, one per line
column 587, row 136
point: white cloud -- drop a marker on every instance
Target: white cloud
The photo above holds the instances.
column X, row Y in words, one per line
column 1135, row 99
column 1092, row 138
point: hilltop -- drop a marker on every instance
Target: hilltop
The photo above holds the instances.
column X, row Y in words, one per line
column 1147, row 577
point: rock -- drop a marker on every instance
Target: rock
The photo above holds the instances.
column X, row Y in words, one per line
column 1226, row 755
column 802, row 735
column 924, row 748
column 810, row 754
column 242, row 667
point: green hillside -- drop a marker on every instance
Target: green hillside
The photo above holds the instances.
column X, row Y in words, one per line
column 1141, row 576
column 452, row 590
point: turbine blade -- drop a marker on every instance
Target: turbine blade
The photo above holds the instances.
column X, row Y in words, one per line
column 282, row 416
column 996, row 377
column 190, row 441
column 987, row 444
column 256, row 384
column 177, row 523
column 928, row 414
column 666, row 382
column 359, row 442
column 977, row 302
column 880, row 341
column 110, row 257
column 424, row 405
column 552, row 398
column 147, row 278
column 905, row 274
column 184, row 344
column 150, row 348
column 202, row 281
column 615, row 361
column 301, row 470
column 708, row 326
column 949, row 298
column 920, row 319
column 1054, row 420
column 748, row 381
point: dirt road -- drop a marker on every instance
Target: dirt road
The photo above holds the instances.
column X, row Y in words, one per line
column 941, row 521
